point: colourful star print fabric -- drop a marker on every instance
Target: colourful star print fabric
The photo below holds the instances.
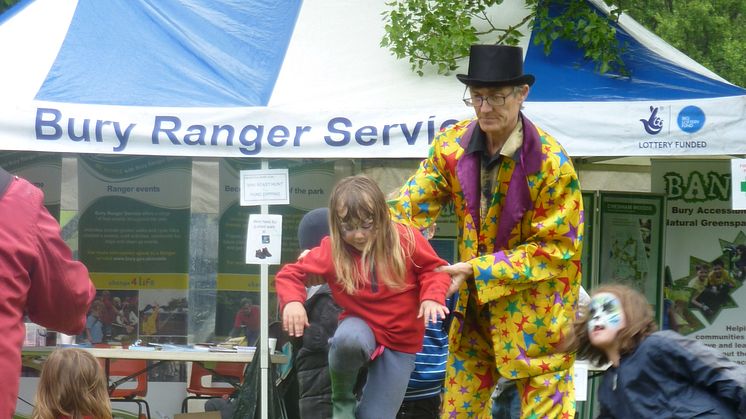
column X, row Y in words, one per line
column 525, row 256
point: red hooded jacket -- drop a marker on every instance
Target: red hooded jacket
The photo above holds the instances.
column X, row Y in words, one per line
column 38, row 276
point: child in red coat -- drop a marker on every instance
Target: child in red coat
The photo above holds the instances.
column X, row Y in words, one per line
column 384, row 276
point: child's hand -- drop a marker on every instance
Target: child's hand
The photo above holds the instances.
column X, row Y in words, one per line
column 294, row 318
column 431, row 311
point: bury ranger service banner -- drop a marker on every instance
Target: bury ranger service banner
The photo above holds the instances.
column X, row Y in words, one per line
column 292, row 79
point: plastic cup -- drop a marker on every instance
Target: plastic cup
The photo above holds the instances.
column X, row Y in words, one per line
column 63, row 339
column 271, row 346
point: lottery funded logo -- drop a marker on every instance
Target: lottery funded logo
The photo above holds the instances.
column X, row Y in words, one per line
column 691, row 119
column 654, row 123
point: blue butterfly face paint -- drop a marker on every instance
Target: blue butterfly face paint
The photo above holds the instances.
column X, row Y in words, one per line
column 605, row 313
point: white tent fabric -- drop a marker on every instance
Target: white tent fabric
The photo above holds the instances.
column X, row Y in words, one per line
column 285, row 79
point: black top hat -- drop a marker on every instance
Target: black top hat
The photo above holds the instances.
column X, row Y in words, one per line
column 495, row 66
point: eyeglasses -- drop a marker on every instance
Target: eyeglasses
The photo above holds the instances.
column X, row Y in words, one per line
column 348, row 228
column 492, row 100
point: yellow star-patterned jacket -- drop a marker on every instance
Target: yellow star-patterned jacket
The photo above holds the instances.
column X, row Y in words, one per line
column 525, row 253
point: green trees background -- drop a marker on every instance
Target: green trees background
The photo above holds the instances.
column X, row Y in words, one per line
column 4, row 4
column 712, row 32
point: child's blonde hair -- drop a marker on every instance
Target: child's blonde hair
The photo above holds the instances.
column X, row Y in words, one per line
column 363, row 200
column 72, row 384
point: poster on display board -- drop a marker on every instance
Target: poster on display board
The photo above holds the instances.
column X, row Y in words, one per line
column 705, row 252
column 631, row 242
column 134, row 239
column 43, row 170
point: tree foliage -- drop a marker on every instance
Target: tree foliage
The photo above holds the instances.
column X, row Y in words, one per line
column 5, row 4
column 439, row 32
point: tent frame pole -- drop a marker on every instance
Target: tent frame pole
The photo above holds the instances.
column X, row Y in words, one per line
column 264, row 316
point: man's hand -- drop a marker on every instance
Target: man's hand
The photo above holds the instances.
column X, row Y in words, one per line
column 294, row 318
column 459, row 272
column 431, row 311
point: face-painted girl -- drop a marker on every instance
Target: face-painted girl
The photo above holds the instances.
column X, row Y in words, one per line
column 606, row 319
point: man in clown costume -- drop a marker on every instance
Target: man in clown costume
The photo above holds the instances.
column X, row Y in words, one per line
column 517, row 199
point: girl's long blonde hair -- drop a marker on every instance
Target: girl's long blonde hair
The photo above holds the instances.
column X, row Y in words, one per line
column 384, row 255
column 72, row 384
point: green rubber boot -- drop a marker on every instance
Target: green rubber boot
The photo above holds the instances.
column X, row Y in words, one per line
column 343, row 397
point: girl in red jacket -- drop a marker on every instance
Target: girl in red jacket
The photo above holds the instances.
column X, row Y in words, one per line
column 72, row 385
column 384, row 277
